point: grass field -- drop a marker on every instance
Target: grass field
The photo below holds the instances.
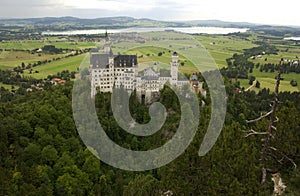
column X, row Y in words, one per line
column 219, row 47
column 222, row 47
column 8, row 87
column 149, row 55
column 71, row 64
column 267, row 80
column 11, row 59
column 33, row 44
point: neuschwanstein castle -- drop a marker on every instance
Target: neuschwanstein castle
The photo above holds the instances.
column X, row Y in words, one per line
column 110, row 71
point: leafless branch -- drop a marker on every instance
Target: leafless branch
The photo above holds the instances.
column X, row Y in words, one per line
column 266, row 152
column 274, row 128
column 264, row 175
column 266, row 145
column 261, row 117
column 252, row 132
column 284, row 156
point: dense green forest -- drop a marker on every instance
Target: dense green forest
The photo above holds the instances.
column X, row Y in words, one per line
column 42, row 153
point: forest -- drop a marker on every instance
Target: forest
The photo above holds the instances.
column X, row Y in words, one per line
column 42, row 153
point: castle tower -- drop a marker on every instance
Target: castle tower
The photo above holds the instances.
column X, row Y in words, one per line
column 174, row 68
column 111, row 69
column 107, row 45
column 107, row 48
column 155, row 66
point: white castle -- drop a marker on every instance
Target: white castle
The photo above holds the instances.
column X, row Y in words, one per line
column 110, row 71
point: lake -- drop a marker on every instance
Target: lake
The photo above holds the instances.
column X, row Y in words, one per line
column 189, row 30
column 292, row 38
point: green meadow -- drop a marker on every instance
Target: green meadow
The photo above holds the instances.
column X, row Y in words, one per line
column 149, row 55
column 9, row 87
column 216, row 47
column 267, row 80
column 33, row 44
column 71, row 64
column 222, row 47
column 11, row 59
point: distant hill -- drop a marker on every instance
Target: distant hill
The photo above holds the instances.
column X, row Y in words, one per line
column 73, row 23
column 64, row 23
column 219, row 23
column 277, row 30
column 118, row 21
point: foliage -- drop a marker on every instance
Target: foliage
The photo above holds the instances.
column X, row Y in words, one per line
column 239, row 64
column 41, row 152
column 294, row 83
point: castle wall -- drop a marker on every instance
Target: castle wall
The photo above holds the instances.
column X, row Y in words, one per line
column 117, row 74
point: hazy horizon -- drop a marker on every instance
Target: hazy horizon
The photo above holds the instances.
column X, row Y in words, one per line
column 258, row 12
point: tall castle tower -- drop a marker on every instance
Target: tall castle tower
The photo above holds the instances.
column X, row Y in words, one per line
column 107, row 45
column 174, row 69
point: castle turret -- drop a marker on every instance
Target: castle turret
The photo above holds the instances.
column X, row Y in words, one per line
column 107, row 45
column 155, row 66
column 174, row 68
column 111, row 56
column 111, row 69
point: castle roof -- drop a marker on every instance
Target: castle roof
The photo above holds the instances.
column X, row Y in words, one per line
column 125, row 60
column 165, row 73
column 194, row 77
column 150, row 78
column 102, row 60
column 99, row 60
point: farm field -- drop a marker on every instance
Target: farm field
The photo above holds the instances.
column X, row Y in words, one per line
column 267, row 80
column 285, row 53
column 218, row 47
column 33, row 44
column 71, row 64
column 9, row 87
column 223, row 47
column 149, row 55
column 11, row 59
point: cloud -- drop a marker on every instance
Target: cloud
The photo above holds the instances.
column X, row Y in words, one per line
column 231, row 10
column 110, row 5
column 31, row 3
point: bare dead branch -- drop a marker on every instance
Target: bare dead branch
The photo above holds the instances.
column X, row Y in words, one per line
column 274, row 128
column 261, row 117
column 266, row 145
column 267, row 151
column 252, row 132
column 285, row 156
column 264, row 175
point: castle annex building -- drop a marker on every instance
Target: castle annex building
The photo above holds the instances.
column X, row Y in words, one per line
column 110, row 71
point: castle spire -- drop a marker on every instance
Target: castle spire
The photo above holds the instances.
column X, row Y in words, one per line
column 106, row 35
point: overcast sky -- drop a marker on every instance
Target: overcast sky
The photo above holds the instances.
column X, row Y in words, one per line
column 256, row 11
